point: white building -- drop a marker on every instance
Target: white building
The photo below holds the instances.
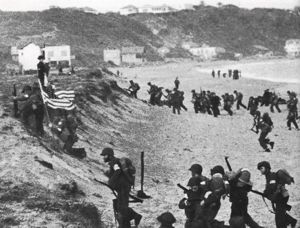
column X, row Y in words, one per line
column 28, row 56
column 113, row 55
column 133, row 55
column 292, row 47
column 58, row 55
column 156, row 9
column 127, row 10
column 206, row 52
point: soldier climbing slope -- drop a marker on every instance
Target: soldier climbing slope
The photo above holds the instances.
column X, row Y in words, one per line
column 121, row 178
column 265, row 125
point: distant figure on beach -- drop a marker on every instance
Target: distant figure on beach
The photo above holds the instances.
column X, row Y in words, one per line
column 274, row 102
column 224, row 75
column 219, row 73
column 229, row 73
column 235, row 75
column 213, row 74
column 266, row 98
column 176, row 82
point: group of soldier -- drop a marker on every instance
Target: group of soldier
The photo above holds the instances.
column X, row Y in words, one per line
column 235, row 74
column 204, row 196
column 30, row 107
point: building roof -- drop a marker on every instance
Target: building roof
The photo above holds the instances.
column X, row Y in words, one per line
column 129, row 6
column 133, row 50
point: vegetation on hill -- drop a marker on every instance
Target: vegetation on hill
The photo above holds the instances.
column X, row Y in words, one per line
column 235, row 29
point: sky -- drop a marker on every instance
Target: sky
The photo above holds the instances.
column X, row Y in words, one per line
column 115, row 5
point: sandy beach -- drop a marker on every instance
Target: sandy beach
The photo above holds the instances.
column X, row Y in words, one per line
column 175, row 142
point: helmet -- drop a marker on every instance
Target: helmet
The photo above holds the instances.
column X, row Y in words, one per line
column 196, row 168
column 264, row 164
column 217, row 183
column 107, row 151
column 166, row 218
column 245, row 177
column 217, row 169
column 194, row 181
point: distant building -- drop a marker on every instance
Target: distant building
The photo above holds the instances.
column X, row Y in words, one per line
column 58, row 55
column 127, row 10
column 113, row 55
column 292, row 47
column 163, row 51
column 133, row 55
column 206, row 52
column 156, row 9
column 27, row 56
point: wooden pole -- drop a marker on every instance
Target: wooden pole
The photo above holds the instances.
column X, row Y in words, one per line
column 45, row 106
column 142, row 171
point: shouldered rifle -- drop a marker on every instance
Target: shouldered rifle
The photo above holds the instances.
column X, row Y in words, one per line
column 227, row 163
column 183, row 188
column 187, row 190
column 15, row 102
column 135, row 199
column 287, row 206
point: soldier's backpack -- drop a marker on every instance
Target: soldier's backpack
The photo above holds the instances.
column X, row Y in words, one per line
column 128, row 169
column 283, row 177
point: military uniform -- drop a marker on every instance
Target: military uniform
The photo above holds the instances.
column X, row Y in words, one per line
column 293, row 111
column 240, row 185
column 41, row 70
column 266, row 125
column 239, row 98
column 279, row 197
column 119, row 182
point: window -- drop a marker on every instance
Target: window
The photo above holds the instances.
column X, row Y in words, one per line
column 64, row 53
column 50, row 54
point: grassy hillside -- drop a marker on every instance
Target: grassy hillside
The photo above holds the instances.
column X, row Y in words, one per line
column 88, row 34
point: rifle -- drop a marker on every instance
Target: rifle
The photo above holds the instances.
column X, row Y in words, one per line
column 16, row 109
column 287, row 206
column 135, row 199
column 187, row 190
column 227, row 163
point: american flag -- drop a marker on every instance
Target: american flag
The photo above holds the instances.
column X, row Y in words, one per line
column 63, row 101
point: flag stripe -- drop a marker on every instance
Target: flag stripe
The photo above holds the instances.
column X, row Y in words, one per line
column 58, row 103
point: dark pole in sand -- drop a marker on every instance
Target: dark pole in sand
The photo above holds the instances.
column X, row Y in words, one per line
column 142, row 171
column 141, row 192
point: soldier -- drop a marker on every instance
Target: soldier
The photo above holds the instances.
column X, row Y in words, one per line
column 274, row 102
column 197, row 188
column 219, row 73
column 215, row 102
column 196, row 101
column 177, row 82
column 266, row 98
column 121, row 181
column 41, row 70
column 152, row 91
column 240, row 185
column 252, row 105
column 133, row 89
column 256, row 121
column 265, row 125
column 166, row 219
column 211, row 203
column 279, row 196
column 227, row 103
column 176, row 101
column 213, row 74
column 293, row 110
column 239, row 98
column 181, row 94
column 33, row 105
column 229, row 73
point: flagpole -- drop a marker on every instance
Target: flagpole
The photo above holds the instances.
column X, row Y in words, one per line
column 45, row 106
